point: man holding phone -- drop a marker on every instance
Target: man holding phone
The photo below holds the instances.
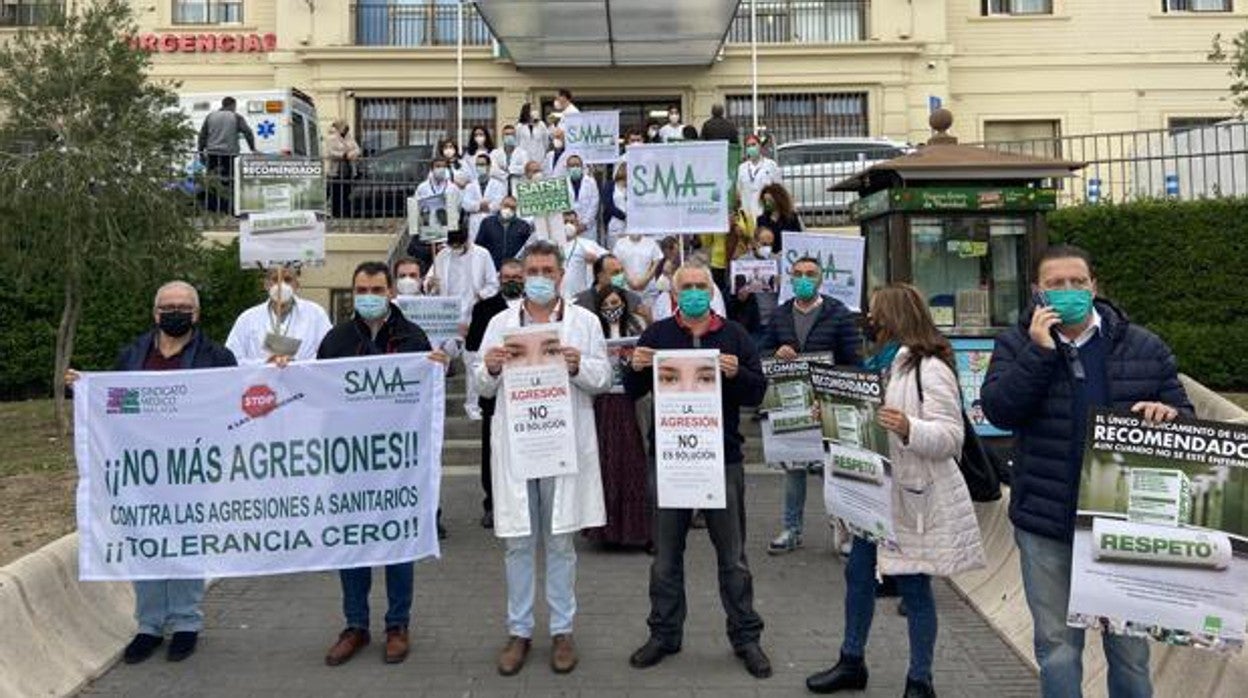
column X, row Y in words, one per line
column 1070, row 353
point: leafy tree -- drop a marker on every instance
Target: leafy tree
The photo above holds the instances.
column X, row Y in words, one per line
column 89, row 152
column 1237, row 60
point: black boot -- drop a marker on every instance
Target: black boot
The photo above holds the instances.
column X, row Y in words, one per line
column 850, row 673
column 918, row 689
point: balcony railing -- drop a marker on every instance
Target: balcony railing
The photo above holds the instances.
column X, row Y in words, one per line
column 803, row 22
column 414, row 23
column 24, row 14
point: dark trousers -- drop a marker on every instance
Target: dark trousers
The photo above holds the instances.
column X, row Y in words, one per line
column 667, row 573
column 219, row 187
column 487, row 482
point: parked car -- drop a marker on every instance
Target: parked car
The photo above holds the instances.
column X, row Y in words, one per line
column 809, row 167
column 384, row 181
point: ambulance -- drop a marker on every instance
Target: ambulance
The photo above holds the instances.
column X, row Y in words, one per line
column 283, row 121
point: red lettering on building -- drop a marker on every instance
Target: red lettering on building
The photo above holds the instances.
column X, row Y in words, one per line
column 205, row 43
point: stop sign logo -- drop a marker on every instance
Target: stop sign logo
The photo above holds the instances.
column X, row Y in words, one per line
column 258, row 401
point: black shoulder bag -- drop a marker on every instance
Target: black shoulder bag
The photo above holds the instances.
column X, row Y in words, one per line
column 975, row 462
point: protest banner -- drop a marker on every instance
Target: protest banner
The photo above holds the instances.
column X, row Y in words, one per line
column 754, row 275
column 678, row 188
column 620, row 354
column 543, row 196
column 257, row 470
column 791, row 428
column 841, row 257
column 438, row 316
column 689, row 430
column 278, row 184
column 430, row 217
column 274, row 239
column 1161, row 538
column 971, row 358
column 593, row 135
column 857, row 474
column 541, row 438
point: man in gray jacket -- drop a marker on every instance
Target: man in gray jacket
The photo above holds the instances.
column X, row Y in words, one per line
column 218, row 146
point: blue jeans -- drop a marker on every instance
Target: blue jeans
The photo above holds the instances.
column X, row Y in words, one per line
column 916, row 592
column 795, row 498
column 1045, row 564
column 357, row 582
column 521, row 567
column 169, row 603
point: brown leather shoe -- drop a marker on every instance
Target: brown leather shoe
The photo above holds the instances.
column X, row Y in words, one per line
column 511, row 659
column 396, row 645
column 562, row 654
column 349, row 642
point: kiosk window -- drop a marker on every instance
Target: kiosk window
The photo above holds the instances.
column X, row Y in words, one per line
column 970, row 268
column 877, row 254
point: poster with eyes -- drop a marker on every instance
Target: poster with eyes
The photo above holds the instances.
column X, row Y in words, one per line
column 689, row 430
column 537, row 402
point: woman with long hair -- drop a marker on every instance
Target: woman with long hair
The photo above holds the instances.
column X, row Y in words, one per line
column 532, row 136
column 479, row 143
column 778, row 214
column 622, row 452
column 934, row 522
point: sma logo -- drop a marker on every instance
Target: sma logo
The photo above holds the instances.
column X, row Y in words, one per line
column 377, row 381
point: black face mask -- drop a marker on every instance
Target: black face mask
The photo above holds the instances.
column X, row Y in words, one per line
column 513, row 289
column 870, row 331
column 176, row 323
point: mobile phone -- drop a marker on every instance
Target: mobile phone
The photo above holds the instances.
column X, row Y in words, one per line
column 1039, row 300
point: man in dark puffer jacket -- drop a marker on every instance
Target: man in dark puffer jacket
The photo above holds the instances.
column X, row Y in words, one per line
column 1033, row 387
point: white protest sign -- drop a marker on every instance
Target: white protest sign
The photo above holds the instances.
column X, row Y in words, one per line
column 858, row 490
column 689, row 430
column 438, row 316
column 541, row 437
column 274, row 239
column 258, row 470
column 593, row 135
column 841, row 257
column 678, row 188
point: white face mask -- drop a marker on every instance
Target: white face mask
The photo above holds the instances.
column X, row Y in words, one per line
column 448, row 152
column 764, row 251
column 281, row 292
column 507, row 213
column 480, row 140
column 570, row 229
column 673, row 118
column 407, row 286
column 557, row 142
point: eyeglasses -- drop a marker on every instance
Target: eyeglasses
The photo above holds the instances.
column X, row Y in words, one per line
column 175, row 308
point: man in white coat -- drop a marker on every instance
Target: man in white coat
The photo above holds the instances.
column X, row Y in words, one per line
column 753, row 174
column 282, row 329
column 583, row 195
column 554, row 508
column 466, row 271
column 482, row 195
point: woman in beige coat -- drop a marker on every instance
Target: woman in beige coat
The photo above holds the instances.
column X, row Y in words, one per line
column 934, row 522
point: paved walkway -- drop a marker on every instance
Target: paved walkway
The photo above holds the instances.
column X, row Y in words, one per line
column 267, row 636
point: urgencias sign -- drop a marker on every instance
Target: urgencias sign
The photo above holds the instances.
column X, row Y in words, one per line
column 205, row 43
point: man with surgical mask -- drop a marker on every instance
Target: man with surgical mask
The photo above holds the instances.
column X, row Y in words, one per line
column 742, row 384
column 465, row 271
column 483, row 195
column 508, row 159
column 673, row 131
column 174, row 343
column 284, row 328
column 407, row 279
column 583, row 194
column 754, row 174
column 504, row 234
column 555, row 163
column 376, row 327
column 551, row 509
column 579, row 252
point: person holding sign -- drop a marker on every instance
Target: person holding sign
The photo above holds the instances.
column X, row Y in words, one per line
column 283, row 328
column 377, row 327
column 530, row 505
column 933, row 521
column 176, row 343
column 807, row 323
column 1069, row 353
column 696, row 326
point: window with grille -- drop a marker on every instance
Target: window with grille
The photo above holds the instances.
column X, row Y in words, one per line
column 207, row 12
column 390, row 122
column 23, row 13
column 1196, row 6
column 1017, row 7
column 790, row 117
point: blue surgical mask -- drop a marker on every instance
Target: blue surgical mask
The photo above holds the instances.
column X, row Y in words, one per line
column 539, row 289
column 509, row 141
column 576, row 173
column 694, row 302
column 619, row 280
column 805, row 288
column 370, row 306
column 439, row 173
column 1071, row 304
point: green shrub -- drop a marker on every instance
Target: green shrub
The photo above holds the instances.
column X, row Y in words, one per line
column 1178, row 268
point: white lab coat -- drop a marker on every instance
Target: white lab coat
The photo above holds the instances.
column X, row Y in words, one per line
column 307, row 322
column 751, row 178
column 469, row 277
column 533, row 140
column 555, row 168
column 672, row 133
column 578, row 498
column 616, row 228
column 665, row 305
column 579, row 254
column 494, row 192
column 586, row 204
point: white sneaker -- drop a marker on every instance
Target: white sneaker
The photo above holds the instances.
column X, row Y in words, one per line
column 473, row 412
column 786, row 542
